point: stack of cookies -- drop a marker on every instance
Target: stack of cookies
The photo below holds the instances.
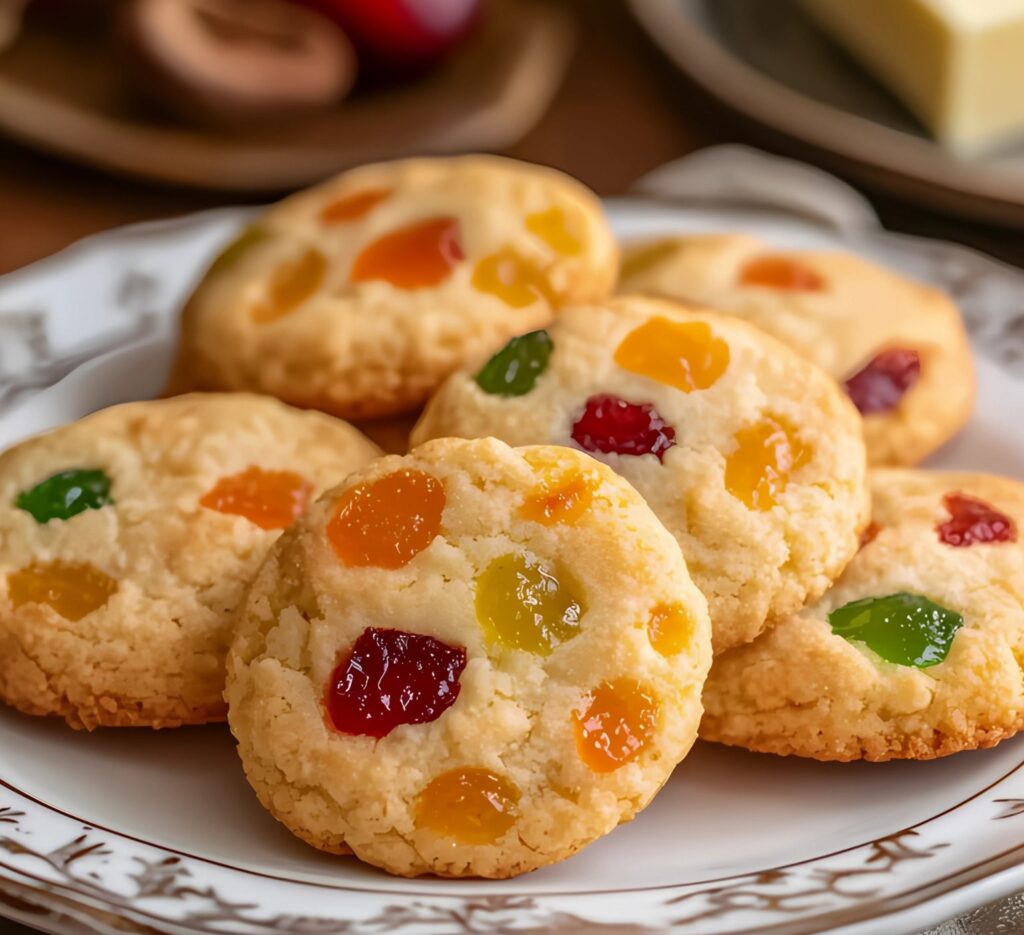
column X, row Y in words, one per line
column 637, row 508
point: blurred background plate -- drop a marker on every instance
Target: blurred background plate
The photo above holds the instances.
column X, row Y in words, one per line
column 769, row 62
column 72, row 97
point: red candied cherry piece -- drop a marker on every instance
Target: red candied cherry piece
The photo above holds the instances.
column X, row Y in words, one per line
column 611, row 425
column 972, row 521
column 880, row 386
column 392, row 678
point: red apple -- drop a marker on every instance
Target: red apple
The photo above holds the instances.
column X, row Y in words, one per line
column 400, row 36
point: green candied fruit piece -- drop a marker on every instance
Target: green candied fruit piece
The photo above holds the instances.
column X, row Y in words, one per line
column 514, row 370
column 237, row 249
column 906, row 629
column 65, row 495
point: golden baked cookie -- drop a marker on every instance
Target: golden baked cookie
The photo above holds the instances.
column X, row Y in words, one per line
column 751, row 456
column 469, row 661
column 898, row 347
column 359, row 296
column 128, row 537
column 915, row 652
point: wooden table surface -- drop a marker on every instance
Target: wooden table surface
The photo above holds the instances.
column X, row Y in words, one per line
column 622, row 111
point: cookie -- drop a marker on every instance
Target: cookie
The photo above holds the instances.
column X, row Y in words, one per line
column 359, row 296
column 127, row 540
column 915, row 652
column 751, row 456
column 898, row 347
column 468, row 661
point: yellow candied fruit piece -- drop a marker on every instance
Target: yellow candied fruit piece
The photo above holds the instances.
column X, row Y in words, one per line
column 469, row 805
column 669, row 628
column 643, row 258
column 766, row 455
column 683, row 354
column 526, row 604
column 552, row 227
column 353, row 207
column 72, row 589
column 512, row 278
column 291, row 284
column 617, row 724
column 386, row 523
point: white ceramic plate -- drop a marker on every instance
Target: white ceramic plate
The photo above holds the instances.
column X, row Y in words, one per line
column 767, row 61
column 137, row 831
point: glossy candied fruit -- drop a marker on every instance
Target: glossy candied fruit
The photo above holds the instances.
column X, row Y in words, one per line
column 524, row 603
column 235, row 251
column 517, row 281
column 270, row 499
column 972, row 521
column 291, row 283
column 669, row 628
column 72, row 589
column 782, row 273
column 615, row 725
column 66, row 494
column 869, row 534
column 515, row 369
column 884, row 381
column 683, row 354
column 767, row 454
column 905, row 629
column 354, row 206
column 390, row 678
column 386, row 523
column 644, row 258
column 562, row 498
column 470, row 805
column 415, row 257
column 612, row 425
column 552, row 226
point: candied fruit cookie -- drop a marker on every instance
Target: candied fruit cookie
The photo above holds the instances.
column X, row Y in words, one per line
column 127, row 540
column 472, row 660
column 360, row 295
column 898, row 347
column 751, row 456
column 914, row 653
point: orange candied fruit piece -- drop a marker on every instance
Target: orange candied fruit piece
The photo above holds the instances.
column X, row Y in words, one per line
column 270, row 499
column 669, row 628
column 386, row 523
column 552, row 227
column 766, row 454
column 72, row 589
column 514, row 279
column 413, row 257
column 469, row 805
column 683, row 354
column 291, row 283
column 353, row 207
column 617, row 725
column 781, row 272
column 562, row 498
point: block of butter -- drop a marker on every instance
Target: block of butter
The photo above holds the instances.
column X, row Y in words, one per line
column 957, row 64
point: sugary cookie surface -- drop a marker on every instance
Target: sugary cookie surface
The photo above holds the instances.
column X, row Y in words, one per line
column 127, row 539
column 359, row 296
column 752, row 457
column 914, row 653
column 471, row 660
column 898, row 347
